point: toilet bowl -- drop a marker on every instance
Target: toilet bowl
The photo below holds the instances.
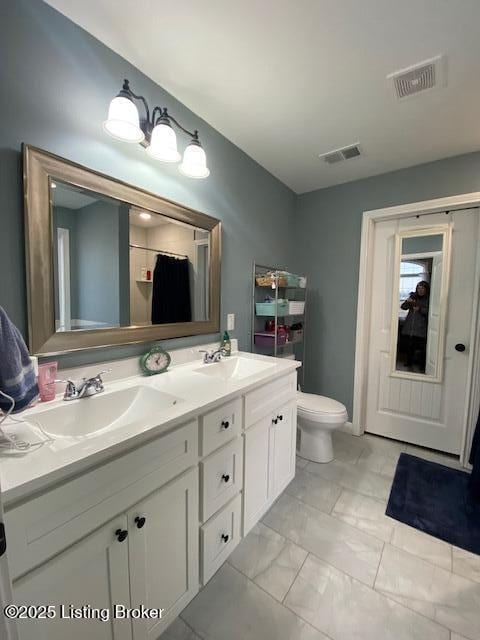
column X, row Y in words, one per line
column 318, row 417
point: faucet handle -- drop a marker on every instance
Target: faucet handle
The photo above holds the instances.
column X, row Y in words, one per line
column 71, row 390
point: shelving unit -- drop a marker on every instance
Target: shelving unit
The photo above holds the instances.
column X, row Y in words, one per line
column 276, row 292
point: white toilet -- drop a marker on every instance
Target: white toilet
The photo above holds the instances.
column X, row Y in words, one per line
column 318, row 417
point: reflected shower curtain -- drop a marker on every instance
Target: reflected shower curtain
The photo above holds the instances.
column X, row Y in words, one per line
column 171, row 290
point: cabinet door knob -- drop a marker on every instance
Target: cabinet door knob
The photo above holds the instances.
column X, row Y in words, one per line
column 225, row 477
column 140, row 521
column 460, row 347
column 225, row 424
column 225, row 537
column 275, row 420
column 121, row 534
column 280, row 417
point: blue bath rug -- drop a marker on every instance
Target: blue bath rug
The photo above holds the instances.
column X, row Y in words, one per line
column 435, row 499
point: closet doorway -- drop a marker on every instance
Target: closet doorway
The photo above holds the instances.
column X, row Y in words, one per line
column 416, row 374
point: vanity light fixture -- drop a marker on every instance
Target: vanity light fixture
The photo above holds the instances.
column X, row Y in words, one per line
column 155, row 132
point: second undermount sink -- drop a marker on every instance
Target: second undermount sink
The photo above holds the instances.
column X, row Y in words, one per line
column 104, row 412
column 234, row 368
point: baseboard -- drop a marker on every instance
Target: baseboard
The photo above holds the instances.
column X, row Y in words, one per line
column 348, row 428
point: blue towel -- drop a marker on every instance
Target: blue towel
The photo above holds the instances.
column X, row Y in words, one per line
column 17, row 377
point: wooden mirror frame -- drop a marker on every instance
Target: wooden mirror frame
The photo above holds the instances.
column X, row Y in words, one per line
column 39, row 169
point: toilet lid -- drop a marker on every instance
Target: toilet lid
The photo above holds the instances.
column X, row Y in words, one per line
column 311, row 403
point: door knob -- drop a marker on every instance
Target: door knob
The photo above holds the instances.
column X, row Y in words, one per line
column 140, row 521
column 460, row 347
column 121, row 534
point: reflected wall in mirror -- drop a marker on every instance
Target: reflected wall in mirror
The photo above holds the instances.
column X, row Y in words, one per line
column 116, row 265
column 108, row 263
column 419, row 302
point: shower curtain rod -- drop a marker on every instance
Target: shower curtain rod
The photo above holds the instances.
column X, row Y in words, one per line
column 168, row 253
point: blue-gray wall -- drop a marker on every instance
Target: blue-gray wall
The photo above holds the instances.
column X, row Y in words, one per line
column 328, row 225
column 98, row 263
column 57, row 82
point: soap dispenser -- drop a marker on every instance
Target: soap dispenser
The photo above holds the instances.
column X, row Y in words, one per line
column 226, row 344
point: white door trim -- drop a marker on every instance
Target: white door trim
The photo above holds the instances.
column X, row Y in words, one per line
column 365, row 283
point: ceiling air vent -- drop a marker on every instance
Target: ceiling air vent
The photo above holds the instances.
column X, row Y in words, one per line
column 339, row 155
column 429, row 74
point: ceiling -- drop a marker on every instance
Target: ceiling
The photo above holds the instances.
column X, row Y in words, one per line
column 286, row 80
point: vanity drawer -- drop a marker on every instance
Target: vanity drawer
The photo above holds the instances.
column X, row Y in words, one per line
column 45, row 525
column 219, row 537
column 268, row 398
column 221, row 477
column 220, row 426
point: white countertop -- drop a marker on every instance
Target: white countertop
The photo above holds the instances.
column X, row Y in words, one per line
column 54, row 461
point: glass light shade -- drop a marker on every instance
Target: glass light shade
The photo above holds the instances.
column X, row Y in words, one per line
column 123, row 122
column 194, row 163
column 163, row 144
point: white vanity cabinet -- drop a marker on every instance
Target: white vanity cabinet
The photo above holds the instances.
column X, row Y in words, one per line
column 94, row 572
column 148, row 527
column 148, row 554
column 270, row 438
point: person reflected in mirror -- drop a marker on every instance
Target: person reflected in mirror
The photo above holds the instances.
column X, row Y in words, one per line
column 415, row 326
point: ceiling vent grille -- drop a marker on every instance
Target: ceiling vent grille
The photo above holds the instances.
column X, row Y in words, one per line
column 429, row 74
column 339, row 155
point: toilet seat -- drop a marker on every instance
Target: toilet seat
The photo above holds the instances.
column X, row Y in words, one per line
column 320, row 409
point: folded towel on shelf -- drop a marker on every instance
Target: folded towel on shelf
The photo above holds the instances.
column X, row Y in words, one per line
column 17, row 375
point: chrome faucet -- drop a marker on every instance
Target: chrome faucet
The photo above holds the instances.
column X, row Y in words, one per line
column 87, row 387
column 213, row 356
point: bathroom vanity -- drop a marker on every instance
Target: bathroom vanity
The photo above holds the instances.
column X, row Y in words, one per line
column 146, row 505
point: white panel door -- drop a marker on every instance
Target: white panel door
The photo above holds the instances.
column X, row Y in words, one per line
column 163, row 549
column 93, row 573
column 422, row 412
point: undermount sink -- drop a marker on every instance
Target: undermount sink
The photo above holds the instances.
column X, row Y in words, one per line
column 90, row 416
column 234, row 368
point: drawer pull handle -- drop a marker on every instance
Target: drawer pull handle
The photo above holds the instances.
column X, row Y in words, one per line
column 225, row 424
column 140, row 521
column 121, row 534
column 225, row 537
column 225, row 477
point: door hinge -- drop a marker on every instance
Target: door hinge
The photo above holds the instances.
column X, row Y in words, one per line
column 3, row 539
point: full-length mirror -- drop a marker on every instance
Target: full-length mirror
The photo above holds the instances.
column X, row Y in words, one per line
column 419, row 302
column 112, row 264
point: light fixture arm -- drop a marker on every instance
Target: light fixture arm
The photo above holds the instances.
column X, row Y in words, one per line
column 126, row 92
column 161, row 111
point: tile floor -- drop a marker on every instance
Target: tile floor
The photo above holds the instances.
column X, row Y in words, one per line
column 326, row 563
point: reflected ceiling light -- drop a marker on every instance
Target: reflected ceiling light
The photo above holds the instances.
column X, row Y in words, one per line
column 145, row 216
column 155, row 133
column 53, row 185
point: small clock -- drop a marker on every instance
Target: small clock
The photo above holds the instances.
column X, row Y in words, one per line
column 155, row 361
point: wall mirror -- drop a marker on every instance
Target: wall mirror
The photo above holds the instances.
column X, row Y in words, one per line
column 108, row 263
column 419, row 303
